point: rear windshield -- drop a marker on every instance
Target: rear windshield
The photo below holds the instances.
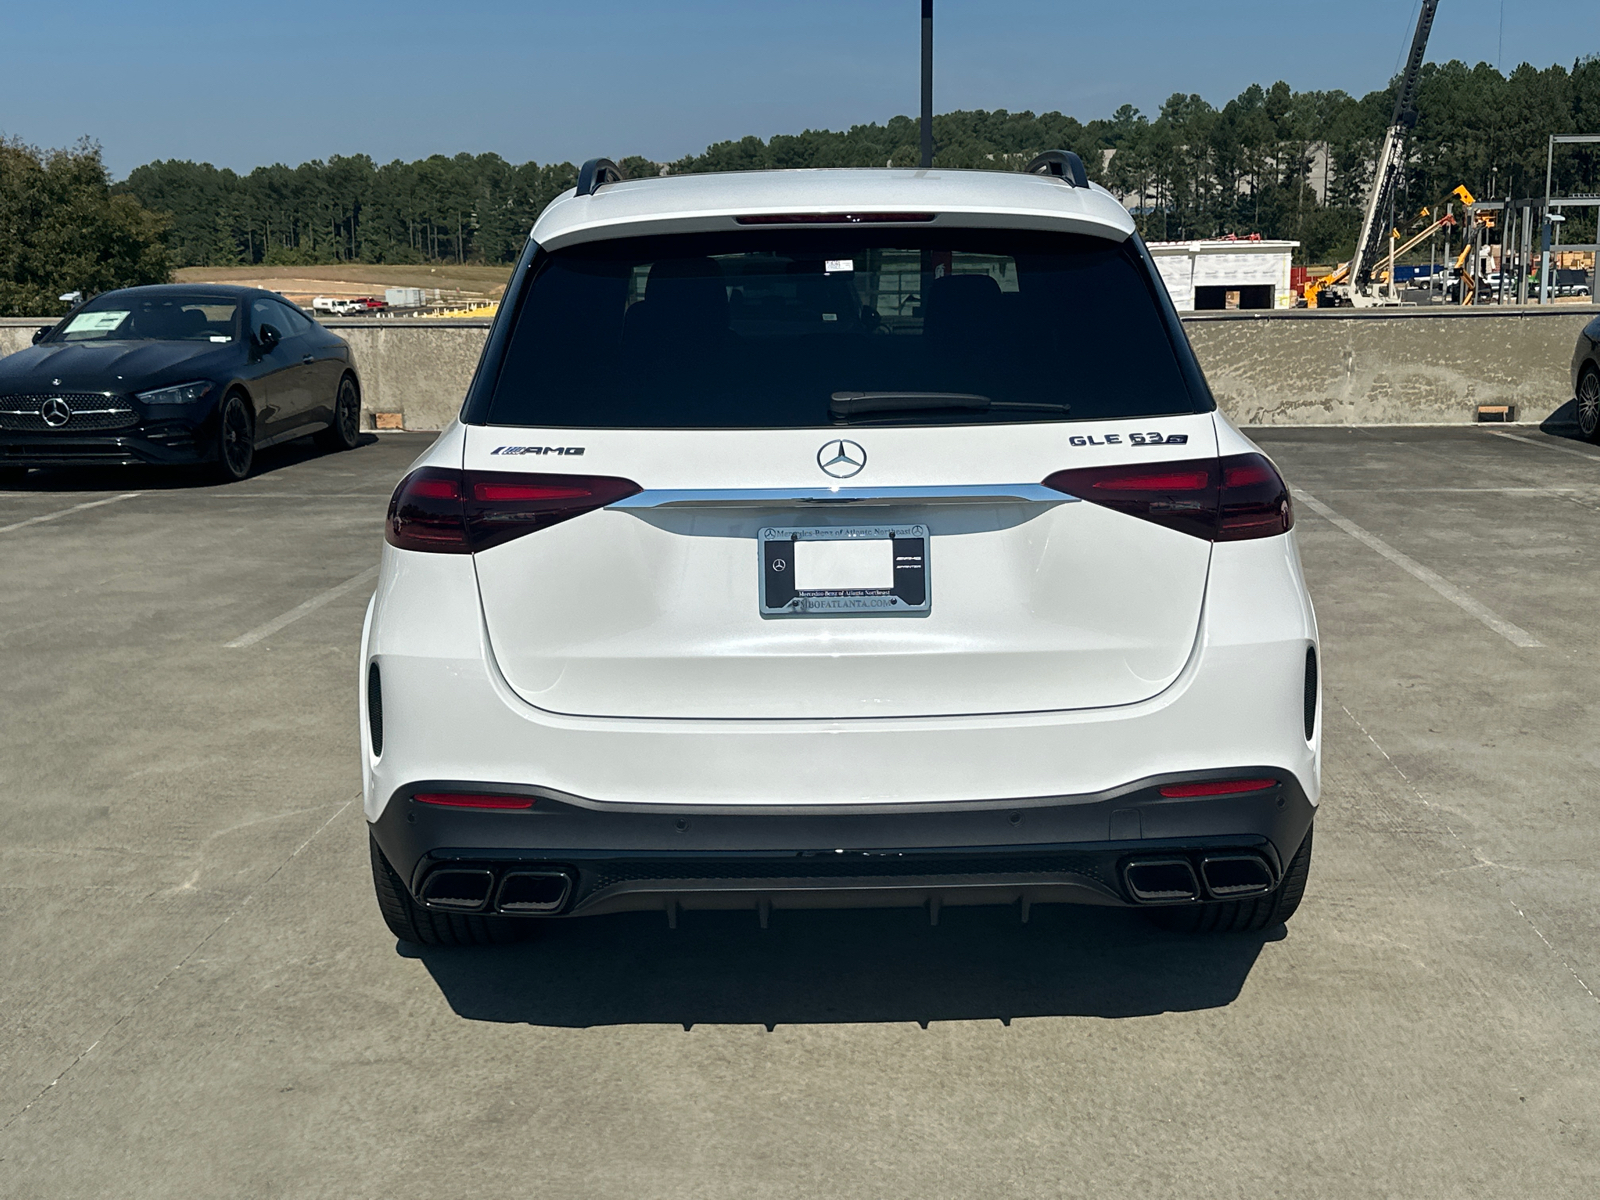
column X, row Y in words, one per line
column 804, row 328
column 124, row 317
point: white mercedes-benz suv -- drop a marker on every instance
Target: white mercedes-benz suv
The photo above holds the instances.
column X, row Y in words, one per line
column 845, row 538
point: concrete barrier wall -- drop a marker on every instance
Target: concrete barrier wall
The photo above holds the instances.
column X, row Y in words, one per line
column 1294, row 367
column 418, row 368
column 16, row 333
column 1405, row 366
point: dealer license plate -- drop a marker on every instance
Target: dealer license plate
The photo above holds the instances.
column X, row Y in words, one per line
column 878, row 569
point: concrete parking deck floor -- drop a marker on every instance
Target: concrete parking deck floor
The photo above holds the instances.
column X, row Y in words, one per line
column 197, row 996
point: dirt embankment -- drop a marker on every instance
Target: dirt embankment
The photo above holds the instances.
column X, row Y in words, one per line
column 301, row 284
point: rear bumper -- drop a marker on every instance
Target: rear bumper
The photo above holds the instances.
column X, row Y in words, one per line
column 447, row 714
column 619, row 857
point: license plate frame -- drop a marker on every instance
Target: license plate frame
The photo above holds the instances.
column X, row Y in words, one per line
column 911, row 594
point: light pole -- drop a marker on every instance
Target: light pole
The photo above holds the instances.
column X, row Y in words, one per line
column 927, row 83
column 1544, row 227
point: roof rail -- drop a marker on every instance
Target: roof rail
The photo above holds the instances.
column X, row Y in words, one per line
column 596, row 172
column 1063, row 164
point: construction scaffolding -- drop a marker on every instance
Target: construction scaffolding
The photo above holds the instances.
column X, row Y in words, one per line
column 1522, row 265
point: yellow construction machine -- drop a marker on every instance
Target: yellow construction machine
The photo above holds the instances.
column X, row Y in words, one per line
column 1482, row 222
column 1381, row 274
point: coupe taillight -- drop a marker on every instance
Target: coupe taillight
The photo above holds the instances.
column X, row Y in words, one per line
column 1228, row 499
column 445, row 511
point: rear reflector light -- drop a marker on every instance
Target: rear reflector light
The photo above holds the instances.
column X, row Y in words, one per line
column 459, row 800
column 1217, row 787
column 1227, row 499
column 459, row 512
column 832, row 218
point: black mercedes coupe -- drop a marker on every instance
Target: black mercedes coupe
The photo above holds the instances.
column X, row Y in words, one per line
column 202, row 374
column 1586, row 380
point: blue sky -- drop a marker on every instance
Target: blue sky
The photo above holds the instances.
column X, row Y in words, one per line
column 245, row 84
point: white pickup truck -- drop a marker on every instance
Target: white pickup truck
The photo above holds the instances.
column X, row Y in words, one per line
column 336, row 307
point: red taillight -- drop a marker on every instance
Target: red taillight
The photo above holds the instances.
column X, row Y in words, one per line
column 1179, row 495
column 1220, row 499
column 460, row 512
column 438, row 489
column 1255, row 500
column 427, row 512
column 523, row 491
column 1216, row 787
column 459, row 800
column 1166, row 481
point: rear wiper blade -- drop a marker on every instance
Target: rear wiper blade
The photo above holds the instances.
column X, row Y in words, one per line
column 845, row 405
column 848, row 404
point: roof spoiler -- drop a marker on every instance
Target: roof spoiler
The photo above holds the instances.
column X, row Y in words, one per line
column 1063, row 164
column 599, row 171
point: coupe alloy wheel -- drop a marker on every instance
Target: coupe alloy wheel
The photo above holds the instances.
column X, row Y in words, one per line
column 1589, row 404
column 237, row 449
column 344, row 433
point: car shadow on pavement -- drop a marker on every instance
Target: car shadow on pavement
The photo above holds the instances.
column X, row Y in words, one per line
column 163, row 479
column 808, row 967
column 1563, row 422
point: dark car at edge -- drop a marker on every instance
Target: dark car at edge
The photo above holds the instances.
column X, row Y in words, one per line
column 1586, row 380
column 199, row 375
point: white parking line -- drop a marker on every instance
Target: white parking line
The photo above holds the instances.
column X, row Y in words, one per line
column 300, row 610
column 1547, row 444
column 62, row 512
column 1514, row 634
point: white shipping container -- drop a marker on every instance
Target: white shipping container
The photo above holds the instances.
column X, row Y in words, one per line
column 405, row 297
column 1227, row 265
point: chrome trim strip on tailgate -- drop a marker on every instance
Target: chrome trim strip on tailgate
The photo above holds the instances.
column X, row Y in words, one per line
column 985, row 493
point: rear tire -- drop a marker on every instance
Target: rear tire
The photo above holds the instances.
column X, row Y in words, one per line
column 1588, row 399
column 345, row 431
column 236, row 439
column 1243, row 916
column 410, row 922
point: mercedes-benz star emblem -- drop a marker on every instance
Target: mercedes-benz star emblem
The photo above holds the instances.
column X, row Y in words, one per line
column 841, row 459
column 55, row 412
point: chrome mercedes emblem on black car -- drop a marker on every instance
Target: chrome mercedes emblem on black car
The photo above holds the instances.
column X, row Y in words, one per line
column 202, row 374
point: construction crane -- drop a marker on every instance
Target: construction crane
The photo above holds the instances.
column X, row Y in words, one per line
column 1315, row 288
column 1354, row 283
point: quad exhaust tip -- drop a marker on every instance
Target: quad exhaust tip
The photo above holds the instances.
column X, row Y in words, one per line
column 533, row 891
column 519, row 891
column 1161, row 880
column 1231, row 876
column 1173, row 880
column 457, row 890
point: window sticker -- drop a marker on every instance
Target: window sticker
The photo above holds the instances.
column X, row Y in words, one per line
column 98, row 322
column 839, row 264
column 217, row 337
